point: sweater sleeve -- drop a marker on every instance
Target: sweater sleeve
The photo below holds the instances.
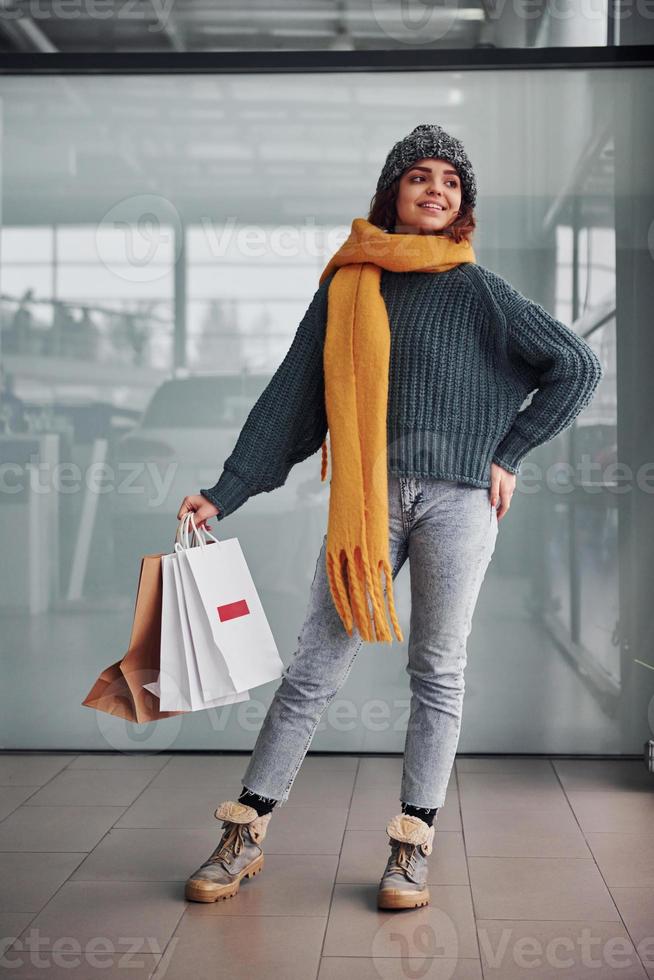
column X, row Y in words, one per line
column 288, row 421
column 566, row 372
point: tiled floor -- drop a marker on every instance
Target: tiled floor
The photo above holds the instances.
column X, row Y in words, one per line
column 541, row 868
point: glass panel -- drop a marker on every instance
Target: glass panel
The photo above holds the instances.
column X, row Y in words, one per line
column 148, row 295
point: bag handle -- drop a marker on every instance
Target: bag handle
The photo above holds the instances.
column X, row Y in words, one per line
column 196, row 531
column 183, row 532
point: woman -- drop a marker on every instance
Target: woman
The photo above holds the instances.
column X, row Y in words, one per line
column 417, row 366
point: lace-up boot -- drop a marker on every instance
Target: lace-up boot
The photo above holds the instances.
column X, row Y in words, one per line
column 404, row 882
column 238, row 855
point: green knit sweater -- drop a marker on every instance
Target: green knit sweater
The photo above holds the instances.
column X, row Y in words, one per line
column 466, row 350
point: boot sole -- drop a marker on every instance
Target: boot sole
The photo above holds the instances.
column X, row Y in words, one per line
column 397, row 900
column 194, row 894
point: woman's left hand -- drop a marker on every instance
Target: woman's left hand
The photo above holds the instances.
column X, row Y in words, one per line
column 501, row 490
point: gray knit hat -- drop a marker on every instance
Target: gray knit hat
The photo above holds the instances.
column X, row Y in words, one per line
column 430, row 140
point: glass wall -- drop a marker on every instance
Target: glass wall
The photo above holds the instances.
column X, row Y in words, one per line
column 161, row 239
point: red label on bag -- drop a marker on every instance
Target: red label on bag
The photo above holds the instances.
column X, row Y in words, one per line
column 232, row 610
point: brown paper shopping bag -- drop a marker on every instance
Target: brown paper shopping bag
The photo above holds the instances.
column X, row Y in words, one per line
column 119, row 689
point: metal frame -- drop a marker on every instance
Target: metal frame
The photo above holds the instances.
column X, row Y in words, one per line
column 409, row 59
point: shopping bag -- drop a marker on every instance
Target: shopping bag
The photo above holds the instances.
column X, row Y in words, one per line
column 111, row 693
column 197, row 699
column 227, row 620
column 178, row 684
column 121, row 689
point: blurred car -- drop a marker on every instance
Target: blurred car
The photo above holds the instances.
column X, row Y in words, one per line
column 187, row 431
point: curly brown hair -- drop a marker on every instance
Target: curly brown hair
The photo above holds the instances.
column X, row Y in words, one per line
column 383, row 213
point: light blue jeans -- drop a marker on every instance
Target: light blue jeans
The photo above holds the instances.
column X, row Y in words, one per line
column 448, row 531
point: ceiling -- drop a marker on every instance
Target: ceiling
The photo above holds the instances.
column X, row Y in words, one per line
column 74, row 26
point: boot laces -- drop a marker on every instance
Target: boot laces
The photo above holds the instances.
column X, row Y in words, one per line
column 403, row 856
column 231, row 843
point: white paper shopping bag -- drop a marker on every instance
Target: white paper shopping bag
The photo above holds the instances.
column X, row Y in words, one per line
column 178, row 681
column 218, row 587
column 197, row 698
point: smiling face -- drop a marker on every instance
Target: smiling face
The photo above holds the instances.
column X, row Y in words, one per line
column 428, row 197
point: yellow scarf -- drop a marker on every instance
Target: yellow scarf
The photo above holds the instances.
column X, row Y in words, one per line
column 356, row 364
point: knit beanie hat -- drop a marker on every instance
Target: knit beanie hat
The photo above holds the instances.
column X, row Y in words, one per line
column 430, row 140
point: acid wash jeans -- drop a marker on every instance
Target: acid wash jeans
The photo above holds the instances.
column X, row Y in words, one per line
column 448, row 531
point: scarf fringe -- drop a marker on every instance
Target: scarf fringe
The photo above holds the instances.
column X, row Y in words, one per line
column 351, row 583
column 323, row 468
column 388, row 572
column 351, row 601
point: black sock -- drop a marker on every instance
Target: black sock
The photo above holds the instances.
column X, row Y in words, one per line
column 254, row 800
column 419, row 811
